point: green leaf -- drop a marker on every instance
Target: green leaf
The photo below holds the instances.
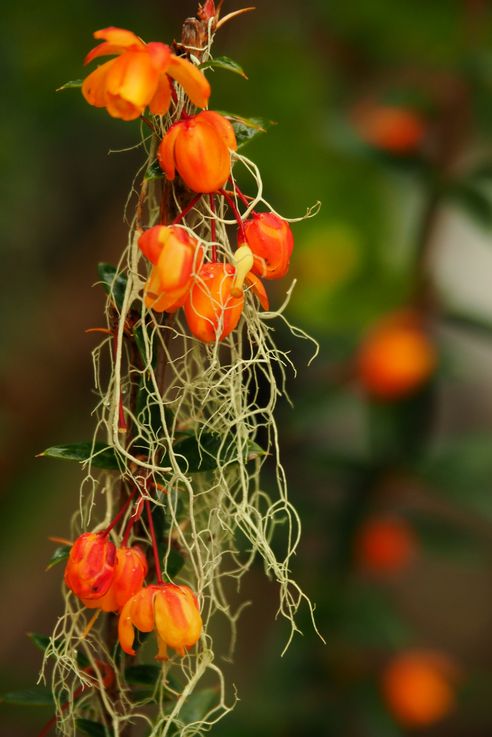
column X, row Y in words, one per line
column 73, row 84
column 224, row 62
column 198, row 705
column 246, row 129
column 445, row 538
column 154, row 171
column 209, row 450
column 38, row 696
column 93, row 729
column 100, row 454
column 113, row 283
column 40, row 641
column 143, row 675
column 59, row 554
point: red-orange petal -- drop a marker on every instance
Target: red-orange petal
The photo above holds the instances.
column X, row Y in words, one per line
column 165, row 152
column 211, row 312
column 193, row 81
column 202, row 156
column 259, row 289
column 104, row 49
column 159, row 54
column 221, row 125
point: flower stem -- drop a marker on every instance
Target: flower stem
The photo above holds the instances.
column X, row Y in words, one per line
column 186, row 210
column 158, row 571
column 235, row 211
column 120, row 513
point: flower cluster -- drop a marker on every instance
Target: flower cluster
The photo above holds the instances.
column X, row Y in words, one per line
column 199, row 148
column 105, row 577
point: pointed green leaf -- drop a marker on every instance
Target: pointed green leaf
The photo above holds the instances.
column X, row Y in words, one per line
column 59, row 554
column 113, row 283
column 198, row 705
column 476, row 203
column 40, row 641
column 154, row 171
column 73, row 84
column 473, row 323
column 38, row 696
column 246, row 129
column 224, row 62
column 100, row 454
column 93, row 729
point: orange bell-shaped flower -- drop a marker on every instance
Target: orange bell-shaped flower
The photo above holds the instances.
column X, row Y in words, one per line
column 169, row 609
column 128, row 577
column 214, row 305
column 418, row 687
column 397, row 357
column 199, row 149
column 271, row 240
column 138, row 77
column 91, row 565
column 384, row 545
column 176, row 256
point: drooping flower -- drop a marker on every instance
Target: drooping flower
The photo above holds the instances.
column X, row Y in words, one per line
column 91, row 565
column 169, row 609
column 418, row 686
column 139, row 76
column 128, row 577
column 199, row 149
column 397, row 357
column 271, row 241
column 384, row 545
column 176, row 256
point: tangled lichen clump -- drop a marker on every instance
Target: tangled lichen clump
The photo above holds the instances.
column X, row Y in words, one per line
column 176, row 434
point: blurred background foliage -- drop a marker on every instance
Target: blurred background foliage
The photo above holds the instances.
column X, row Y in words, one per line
column 402, row 225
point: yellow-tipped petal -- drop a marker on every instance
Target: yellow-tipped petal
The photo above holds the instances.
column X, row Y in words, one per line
column 165, row 152
column 193, row 81
column 126, row 632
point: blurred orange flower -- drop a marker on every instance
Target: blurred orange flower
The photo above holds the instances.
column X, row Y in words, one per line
column 169, row 609
column 397, row 357
column 418, row 687
column 397, row 130
column 139, row 76
column 384, row 545
column 199, row 149
column 176, row 255
column 271, row 240
column 91, row 565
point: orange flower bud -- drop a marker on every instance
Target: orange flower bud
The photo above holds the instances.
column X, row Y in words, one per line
column 128, row 577
column 171, row 610
column 384, row 545
column 176, row 256
column 396, row 358
column 212, row 312
column 138, row 77
column 394, row 129
column 199, row 149
column 418, row 687
column 271, row 240
column 90, row 566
